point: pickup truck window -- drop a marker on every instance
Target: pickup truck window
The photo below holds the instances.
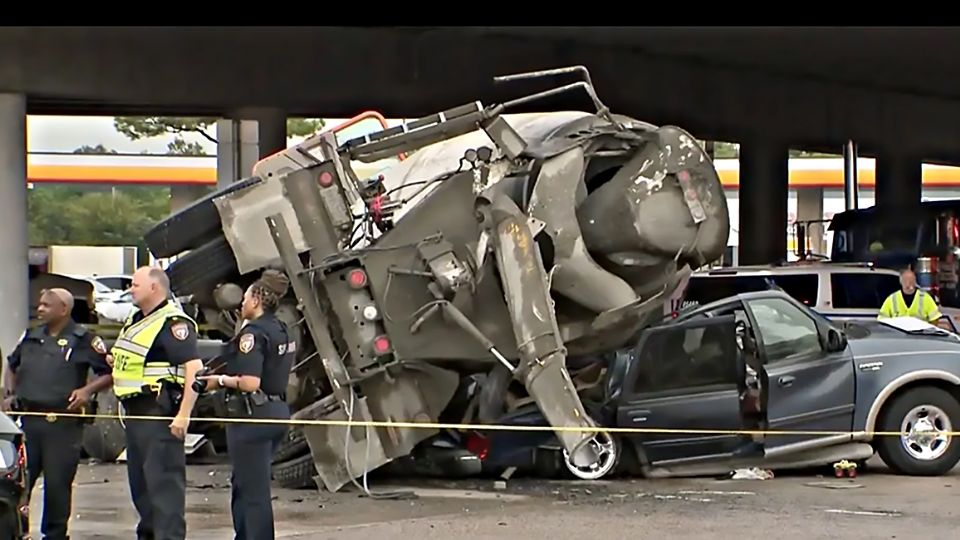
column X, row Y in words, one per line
column 862, row 290
column 687, row 356
column 785, row 331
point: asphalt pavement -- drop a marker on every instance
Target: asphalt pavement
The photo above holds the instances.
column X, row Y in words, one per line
column 873, row 505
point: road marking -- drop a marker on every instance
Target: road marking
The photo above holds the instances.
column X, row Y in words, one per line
column 679, row 498
column 862, row 513
column 691, row 492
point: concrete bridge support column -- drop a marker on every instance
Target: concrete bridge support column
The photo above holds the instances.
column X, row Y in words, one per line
column 764, row 177
column 246, row 137
column 899, row 179
column 14, row 284
column 810, row 208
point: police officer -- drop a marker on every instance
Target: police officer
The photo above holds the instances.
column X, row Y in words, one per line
column 48, row 374
column 155, row 361
column 255, row 379
column 910, row 301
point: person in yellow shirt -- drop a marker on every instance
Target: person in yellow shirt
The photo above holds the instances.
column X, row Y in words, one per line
column 910, row 301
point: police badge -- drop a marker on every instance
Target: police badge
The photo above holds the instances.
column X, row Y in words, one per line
column 246, row 343
column 180, row 331
column 99, row 346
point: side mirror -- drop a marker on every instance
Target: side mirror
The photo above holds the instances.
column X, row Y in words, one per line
column 836, row 341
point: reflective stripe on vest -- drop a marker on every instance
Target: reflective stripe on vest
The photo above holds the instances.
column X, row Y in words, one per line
column 900, row 305
column 131, row 371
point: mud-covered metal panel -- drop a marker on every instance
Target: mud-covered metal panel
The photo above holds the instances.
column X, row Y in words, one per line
column 667, row 201
column 449, row 211
column 416, row 394
column 243, row 215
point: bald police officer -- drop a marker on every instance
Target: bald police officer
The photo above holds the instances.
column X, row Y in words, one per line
column 48, row 374
column 155, row 361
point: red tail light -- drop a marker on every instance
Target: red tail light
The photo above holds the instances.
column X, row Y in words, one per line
column 19, row 475
column 478, row 445
column 357, row 279
column 325, row 179
column 381, row 345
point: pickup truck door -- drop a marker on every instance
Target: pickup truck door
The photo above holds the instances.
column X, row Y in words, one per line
column 807, row 387
column 684, row 376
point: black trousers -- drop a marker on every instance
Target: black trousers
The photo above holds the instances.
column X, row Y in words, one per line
column 251, row 447
column 53, row 450
column 157, row 473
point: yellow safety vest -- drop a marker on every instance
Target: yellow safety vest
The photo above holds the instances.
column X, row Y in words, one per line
column 923, row 307
column 131, row 372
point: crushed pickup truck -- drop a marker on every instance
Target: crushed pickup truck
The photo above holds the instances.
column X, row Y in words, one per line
column 504, row 245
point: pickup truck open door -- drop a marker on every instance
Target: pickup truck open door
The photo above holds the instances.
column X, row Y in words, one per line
column 808, row 386
column 685, row 376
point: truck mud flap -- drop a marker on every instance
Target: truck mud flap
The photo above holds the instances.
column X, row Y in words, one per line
column 192, row 226
column 341, row 453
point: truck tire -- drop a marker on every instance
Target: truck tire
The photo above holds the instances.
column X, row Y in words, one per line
column 297, row 473
column 920, row 409
column 192, row 226
column 292, row 446
column 104, row 439
column 200, row 270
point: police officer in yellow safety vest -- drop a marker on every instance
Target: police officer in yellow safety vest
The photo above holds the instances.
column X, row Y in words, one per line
column 910, row 301
column 155, row 361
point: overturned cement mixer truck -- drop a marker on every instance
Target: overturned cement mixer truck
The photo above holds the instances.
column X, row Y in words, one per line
column 506, row 245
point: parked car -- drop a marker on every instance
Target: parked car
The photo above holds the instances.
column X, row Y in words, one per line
column 116, row 282
column 14, row 505
column 117, row 309
column 850, row 378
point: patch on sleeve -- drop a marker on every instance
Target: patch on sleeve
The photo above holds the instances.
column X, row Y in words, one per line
column 99, row 346
column 180, row 330
column 246, row 343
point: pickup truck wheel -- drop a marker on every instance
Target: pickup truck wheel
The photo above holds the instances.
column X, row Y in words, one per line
column 927, row 415
column 202, row 269
column 608, row 447
column 192, row 226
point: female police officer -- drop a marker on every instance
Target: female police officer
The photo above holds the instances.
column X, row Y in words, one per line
column 255, row 378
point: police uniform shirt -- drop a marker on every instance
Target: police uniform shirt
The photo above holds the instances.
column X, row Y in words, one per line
column 264, row 350
column 176, row 343
column 40, row 379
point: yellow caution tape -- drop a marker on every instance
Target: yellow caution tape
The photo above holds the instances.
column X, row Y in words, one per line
column 471, row 427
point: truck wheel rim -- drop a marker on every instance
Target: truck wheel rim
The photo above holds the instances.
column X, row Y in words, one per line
column 926, row 430
column 606, row 457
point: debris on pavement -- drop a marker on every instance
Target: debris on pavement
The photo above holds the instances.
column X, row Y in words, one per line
column 752, row 473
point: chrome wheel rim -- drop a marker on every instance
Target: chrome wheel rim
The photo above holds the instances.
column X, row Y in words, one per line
column 924, row 432
column 606, row 451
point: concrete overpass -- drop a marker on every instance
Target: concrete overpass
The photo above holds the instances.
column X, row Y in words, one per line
column 895, row 91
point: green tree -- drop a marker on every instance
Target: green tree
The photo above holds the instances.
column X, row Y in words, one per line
column 725, row 150
column 180, row 147
column 98, row 149
column 143, row 127
column 81, row 215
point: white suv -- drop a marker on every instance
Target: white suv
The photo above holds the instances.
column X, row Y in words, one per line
column 835, row 290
